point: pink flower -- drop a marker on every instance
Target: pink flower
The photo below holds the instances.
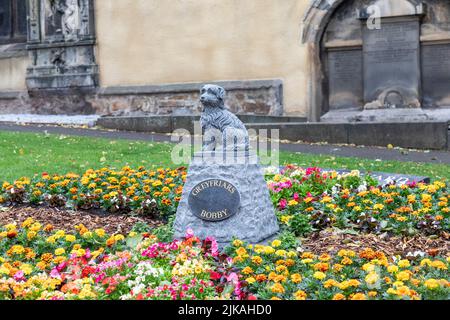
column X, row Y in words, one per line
column 55, row 274
column 214, row 246
column 283, row 204
column 296, row 197
column 19, row 276
column 189, row 233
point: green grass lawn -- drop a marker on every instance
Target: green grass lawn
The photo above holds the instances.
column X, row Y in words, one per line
column 27, row 154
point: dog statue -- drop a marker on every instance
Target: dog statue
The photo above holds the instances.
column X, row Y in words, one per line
column 221, row 129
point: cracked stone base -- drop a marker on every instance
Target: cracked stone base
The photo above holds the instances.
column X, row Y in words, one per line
column 255, row 221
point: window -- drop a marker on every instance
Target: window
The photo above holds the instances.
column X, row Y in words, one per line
column 13, row 21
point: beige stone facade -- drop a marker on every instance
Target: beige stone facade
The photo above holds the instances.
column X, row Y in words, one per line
column 151, row 42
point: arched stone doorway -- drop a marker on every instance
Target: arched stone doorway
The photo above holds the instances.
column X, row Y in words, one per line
column 361, row 72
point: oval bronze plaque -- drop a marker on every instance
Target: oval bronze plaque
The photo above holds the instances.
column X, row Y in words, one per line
column 214, row 200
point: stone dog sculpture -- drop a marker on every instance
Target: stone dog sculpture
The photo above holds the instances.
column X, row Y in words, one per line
column 221, row 129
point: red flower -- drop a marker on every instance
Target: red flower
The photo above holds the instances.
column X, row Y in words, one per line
column 252, row 297
column 215, row 275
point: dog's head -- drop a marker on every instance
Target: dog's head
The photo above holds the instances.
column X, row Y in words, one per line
column 212, row 96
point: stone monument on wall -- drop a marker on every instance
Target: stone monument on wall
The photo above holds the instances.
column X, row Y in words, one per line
column 397, row 69
column 61, row 41
column 225, row 195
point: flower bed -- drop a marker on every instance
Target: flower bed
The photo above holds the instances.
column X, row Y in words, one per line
column 310, row 200
column 38, row 262
column 144, row 192
column 278, row 272
column 306, row 200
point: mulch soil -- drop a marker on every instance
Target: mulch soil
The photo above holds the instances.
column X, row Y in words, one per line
column 328, row 241
column 66, row 219
column 331, row 242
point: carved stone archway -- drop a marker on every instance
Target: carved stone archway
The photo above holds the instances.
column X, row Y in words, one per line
column 315, row 22
column 333, row 27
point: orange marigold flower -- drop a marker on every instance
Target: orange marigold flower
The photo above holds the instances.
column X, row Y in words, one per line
column 339, row 296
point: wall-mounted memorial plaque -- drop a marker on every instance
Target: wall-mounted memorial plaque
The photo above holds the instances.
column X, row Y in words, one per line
column 214, row 200
column 436, row 75
column 392, row 62
column 346, row 83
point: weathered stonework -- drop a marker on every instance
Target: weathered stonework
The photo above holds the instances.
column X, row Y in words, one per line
column 261, row 97
column 61, row 41
column 341, row 50
column 258, row 97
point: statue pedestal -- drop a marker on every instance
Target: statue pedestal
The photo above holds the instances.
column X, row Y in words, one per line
column 226, row 197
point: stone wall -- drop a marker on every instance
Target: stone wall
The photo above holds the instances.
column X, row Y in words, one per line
column 259, row 97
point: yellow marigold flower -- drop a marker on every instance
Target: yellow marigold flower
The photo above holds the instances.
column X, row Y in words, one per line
column 372, row 294
column 60, row 251
column 403, row 276
column 281, row 253
column 307, row 255
column 330, row 283
column 392, row 269
column 372, row 278
column 359, row 296
column 247, row 270
column 346, row 253
column 286, row 219
column 339, row 296
column 28, row 222
column 26, row 268
column 439, row 265
column 415, row 282
column 307, row 261
column 87, row 235
column 426, row 198
column 425, row 262
column 257, row 260
column 431, row 284
column 368, row 267
column 300, row 295
column 58, row 260
column 100, row 232
column 250, row 280
column 269, row 250
column 378, row 206
column 36, row 227
column 338, row 267
column 278, row 288
column 237, row 243
column 70, row 238
column 319, row 275
column 31, row 235
column 292, row 203
column 276, row 243
column 296, row 278
column 281, row 269
column 241, row 251
column 119, row 237
column 404, row 263
column 347, row 261
column 275, row 298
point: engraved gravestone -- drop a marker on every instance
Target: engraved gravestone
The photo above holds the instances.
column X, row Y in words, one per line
column 436, row 75
column 346, row 83
column 392, row 63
